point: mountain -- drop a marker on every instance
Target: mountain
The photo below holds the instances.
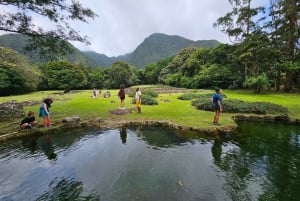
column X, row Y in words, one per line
column 159, row 46
column 100, row 59
column 103, row 60
column 17, row 42
column 154, row 48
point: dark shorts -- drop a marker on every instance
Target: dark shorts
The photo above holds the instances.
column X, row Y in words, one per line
column 216, row 107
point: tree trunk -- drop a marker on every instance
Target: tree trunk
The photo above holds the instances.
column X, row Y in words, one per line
column 291, row 13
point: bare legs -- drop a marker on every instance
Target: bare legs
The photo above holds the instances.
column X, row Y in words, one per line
column 122, row 104
column 216, row 117
column 46, row 121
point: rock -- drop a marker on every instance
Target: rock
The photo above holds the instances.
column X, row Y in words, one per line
column 11, row 110
column 72, row 119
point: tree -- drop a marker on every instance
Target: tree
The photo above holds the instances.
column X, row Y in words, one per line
column 257, row 82
column 212, row 75
column 19, row 16
column 285, row 37
column 177, row 65
column 255, row 53
column 119, row 73
column 96, row 78
column 16, row 76
column 65, row 75
column 239, row 23
column 152, row 71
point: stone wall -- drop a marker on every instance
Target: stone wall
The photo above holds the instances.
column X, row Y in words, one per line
column 11, row 110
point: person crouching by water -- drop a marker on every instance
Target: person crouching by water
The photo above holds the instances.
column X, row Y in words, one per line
column 29, row 121
column 121, row 95
column 138, row 99
column 45, row 112
column 217, row 105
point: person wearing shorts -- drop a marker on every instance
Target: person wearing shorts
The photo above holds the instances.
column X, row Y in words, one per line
column 217, row 105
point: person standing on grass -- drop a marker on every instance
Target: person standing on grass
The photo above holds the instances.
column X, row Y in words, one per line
column 45, row 112
column 138, row 99
column 121, row 95
column 217, row 105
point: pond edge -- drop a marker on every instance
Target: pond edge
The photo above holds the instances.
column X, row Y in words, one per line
column 105, row 124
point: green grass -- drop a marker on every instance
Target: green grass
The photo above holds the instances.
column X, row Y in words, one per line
column 288, row 100
column 169, row 108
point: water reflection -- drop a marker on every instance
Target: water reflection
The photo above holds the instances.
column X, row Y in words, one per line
column 30, row 143
column 123, row 135
column 138, row 131
column 260, row 162
column 43, row 143
column 161, row 137
column 216, row 150
column 46, row 143
column 66, row 189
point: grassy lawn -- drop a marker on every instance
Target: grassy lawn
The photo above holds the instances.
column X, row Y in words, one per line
column 169, row 108
column 288, row 100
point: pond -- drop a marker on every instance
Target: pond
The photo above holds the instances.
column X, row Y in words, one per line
column 260, row 162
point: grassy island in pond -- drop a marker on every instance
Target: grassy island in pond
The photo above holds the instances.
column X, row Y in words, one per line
column 169, row 107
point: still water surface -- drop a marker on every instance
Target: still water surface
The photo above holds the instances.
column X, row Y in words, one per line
column 260, row 162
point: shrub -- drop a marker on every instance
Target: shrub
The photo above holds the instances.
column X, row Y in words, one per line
column 151, row 93
column 191, row 96
column 257, row 83
column 148, row 92
column 238, row 106
column 147, row 100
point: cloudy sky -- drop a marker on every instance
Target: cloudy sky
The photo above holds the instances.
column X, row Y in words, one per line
column 122, row 25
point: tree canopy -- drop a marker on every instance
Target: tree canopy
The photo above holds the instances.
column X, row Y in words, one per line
column 16, row 76
column 19, row 17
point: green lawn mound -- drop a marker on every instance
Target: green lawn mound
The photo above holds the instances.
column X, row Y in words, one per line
column 238, row 106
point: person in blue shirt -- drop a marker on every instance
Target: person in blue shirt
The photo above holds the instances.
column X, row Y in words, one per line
column 45, row 111
column 217, row 105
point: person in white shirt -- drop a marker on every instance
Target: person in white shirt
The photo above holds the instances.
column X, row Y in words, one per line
column 138, row 99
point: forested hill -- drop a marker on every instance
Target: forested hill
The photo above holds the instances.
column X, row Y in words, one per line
column 154, row 48
column 17, row 42
column 159, row 46
column 103, row 60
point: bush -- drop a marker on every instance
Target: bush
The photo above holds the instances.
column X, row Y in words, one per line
column 238, row 106
column 191, row 96
column 148, row 92
column 147, row 100
column 257, row 83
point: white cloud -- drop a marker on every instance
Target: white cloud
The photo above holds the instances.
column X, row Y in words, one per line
column 123, row 24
